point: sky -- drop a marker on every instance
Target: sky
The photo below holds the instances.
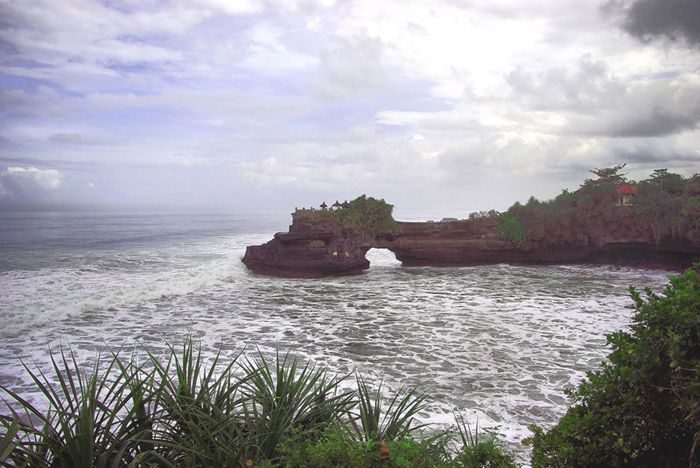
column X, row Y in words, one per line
column 228, row 105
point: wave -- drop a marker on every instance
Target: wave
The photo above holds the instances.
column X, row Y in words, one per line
column 32, row 298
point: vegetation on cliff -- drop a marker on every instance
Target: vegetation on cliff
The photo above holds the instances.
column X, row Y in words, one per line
column 364, row 213
column 368, row 215
column 665, row 207
column 510, row 229
column 641, row 408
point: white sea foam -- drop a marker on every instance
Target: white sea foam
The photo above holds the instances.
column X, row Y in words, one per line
column 497, row 343
column 112, row 280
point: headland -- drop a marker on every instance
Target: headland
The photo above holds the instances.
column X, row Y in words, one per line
column 653, row 223
column 316, row 248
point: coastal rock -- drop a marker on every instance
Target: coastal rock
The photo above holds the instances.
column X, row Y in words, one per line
column 318, row 246
column 311, row 249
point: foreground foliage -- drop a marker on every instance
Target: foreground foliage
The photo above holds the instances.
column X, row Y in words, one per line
column 185, row 412
column 641, row 409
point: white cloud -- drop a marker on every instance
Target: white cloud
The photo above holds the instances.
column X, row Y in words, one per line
column 47, row 178
column 24, row 186
column 318, row 95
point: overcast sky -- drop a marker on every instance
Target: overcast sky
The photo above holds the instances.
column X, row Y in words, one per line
column 461, row 105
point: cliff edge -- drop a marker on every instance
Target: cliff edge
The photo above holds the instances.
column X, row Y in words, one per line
column 317, row 246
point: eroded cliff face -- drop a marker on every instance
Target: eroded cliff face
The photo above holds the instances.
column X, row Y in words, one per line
column 311, row 249
column 317, row 247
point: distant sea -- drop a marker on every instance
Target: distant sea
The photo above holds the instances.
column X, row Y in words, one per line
column 498, row 343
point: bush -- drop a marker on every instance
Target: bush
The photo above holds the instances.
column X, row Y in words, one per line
column 481, row 450
column 367, row 214
column 510, row 229
column 641, row 408
column 338, row 447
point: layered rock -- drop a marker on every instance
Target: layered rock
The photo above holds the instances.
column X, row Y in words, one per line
column 314, row 247
column 318, row 246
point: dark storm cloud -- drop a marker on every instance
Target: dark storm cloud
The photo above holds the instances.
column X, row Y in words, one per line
column 648, row 19
column 658, row 122
column 656, row 109
column 595, row 102
column 655, row 155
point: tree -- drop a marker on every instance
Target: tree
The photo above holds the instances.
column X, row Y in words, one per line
column 658, row 176
column 367, row 214
column 608, row 175
column 669, row 182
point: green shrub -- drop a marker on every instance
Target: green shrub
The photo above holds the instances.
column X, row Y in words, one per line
column 283, row 396
column 510, row 229
column 481, row 450
column 491, row 214
column 566, row 199
column 367, row 214
column 641, row 408
column 660, row 214
column 394, row 422
column 338, row 447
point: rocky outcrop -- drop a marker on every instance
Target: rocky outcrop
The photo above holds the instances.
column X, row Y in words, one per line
column 313, row 248
column 318, row 246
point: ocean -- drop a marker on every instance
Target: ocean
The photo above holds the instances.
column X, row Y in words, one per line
column 498, row 343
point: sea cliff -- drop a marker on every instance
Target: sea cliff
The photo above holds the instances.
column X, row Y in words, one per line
column 319, row 246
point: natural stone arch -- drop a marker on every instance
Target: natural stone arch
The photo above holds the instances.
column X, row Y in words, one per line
column 381, row 255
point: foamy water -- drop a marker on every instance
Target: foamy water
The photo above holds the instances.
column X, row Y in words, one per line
column 498, row 343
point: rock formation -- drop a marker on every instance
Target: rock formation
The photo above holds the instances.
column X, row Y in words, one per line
column 314, row 247
column 318, row 246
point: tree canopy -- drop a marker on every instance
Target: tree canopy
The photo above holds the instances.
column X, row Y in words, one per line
column 608, row 175
column 367, row 214
column 665, row 207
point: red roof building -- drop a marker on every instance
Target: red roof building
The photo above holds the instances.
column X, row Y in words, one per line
column 624, row 193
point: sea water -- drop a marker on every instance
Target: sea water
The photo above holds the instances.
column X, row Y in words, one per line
column 498, row 344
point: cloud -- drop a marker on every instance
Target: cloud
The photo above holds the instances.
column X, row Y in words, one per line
column 46, row 179
column 43, row 100
column 80, row 140
column 351, row 65
column 148, row 98
column 586, row 86
column 590, row 101
column 20, row 186
column 649, row 19
column 84, row 42
column 654, row 109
